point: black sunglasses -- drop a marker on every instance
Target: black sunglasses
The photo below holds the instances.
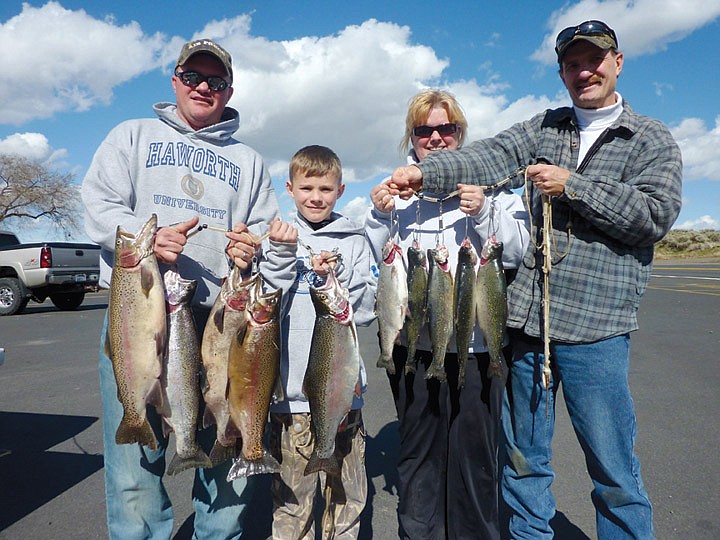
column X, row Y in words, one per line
column 588, row 28
column 193, row 79
column 443, row 129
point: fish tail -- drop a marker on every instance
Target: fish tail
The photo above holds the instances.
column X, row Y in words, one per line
column 127, row 434
column 330, row 465
column 411, row 362
column 198, row 460
column 386, row 362
column 495, row 369
column 437, row 369
column 243, row 468
column 220, row 453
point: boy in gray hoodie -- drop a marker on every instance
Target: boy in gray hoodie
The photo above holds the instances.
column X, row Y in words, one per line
column 316, row 184
column 181, row 165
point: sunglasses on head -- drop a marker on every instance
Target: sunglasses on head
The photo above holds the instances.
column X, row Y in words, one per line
column 588, row 28
column 443, row 129
column 193, row 79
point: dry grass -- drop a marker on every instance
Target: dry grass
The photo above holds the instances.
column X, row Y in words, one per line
column 689, row 244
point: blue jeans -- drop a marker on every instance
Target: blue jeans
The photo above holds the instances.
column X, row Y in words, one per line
column 595, row 385
column 138, row 506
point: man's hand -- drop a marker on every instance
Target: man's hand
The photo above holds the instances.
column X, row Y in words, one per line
column 548, row 179
column 241, row 246
column 405, row 181
column 170, row 241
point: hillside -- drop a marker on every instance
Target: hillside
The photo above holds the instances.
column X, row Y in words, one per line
column 689, row 244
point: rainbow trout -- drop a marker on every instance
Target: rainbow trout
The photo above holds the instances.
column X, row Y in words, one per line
column 331, row 378
column 227, row 318
column 390, row 302
column 136, row 331
column 440, row 310
column 464, row 307
column 491, row 302
column 180, row 377
column 253, row 374
column 417, row 282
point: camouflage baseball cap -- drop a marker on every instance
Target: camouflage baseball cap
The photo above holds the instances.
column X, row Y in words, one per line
column 206, row 46
column 596, row 32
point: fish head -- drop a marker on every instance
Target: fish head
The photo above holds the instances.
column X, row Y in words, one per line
column 439, row 256
column 177, row 289
column 265, row 308
column 240, row 293
column 130, row 249
column 466, row 253
column 492, row 249
column 332, row 299
column 416, row 256
column 390, row 251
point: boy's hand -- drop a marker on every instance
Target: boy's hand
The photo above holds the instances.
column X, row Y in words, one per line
column 170, row 241
column 281, row 231
column 241, row 246
column 323, row 262
column 381, row 198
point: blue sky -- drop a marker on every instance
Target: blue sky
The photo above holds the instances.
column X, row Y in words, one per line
column 341, row 73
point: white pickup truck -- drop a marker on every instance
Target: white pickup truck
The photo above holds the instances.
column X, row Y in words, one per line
column 59, row 270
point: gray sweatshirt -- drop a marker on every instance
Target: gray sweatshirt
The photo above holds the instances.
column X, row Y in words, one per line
column 163, row 166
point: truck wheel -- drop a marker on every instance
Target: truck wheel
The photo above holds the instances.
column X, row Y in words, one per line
column 67, row 301
column 12, row 300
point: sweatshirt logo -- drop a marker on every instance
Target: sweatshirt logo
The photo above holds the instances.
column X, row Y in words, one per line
column 192, row 187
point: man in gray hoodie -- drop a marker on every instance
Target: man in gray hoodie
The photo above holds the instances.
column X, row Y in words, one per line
column 182, row 166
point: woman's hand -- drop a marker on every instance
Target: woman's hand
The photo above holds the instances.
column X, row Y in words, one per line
column 381, row 198
column 472, row 199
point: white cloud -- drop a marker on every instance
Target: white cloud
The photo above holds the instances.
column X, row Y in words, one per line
column 704, row 222
column 642, row 26
column 356, row 208
column 34, row 146
column 72, row 60
column 700, row 148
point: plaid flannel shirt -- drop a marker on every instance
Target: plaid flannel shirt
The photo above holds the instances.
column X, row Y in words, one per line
column 617, row 204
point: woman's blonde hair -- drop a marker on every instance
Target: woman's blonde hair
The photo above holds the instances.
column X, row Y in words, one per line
column 419, row 109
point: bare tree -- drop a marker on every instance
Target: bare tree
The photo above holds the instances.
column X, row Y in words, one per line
column 30, row 190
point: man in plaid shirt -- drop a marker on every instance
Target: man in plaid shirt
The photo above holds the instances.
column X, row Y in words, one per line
column 614, row 181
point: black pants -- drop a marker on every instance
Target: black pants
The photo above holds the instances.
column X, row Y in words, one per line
column 448, row 467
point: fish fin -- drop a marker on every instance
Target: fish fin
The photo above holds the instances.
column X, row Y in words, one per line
column 208, row 418
column 330, row 465
column 106, row 345
column 218, row 319
column 220, row 454
column 155, row 397
column 242, row 468
column 278, row 392
column 198, row 460
column 127, row 434
column 147, row 280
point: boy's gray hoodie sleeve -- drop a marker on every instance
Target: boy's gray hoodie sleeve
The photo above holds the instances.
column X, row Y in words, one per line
column 363, row 285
